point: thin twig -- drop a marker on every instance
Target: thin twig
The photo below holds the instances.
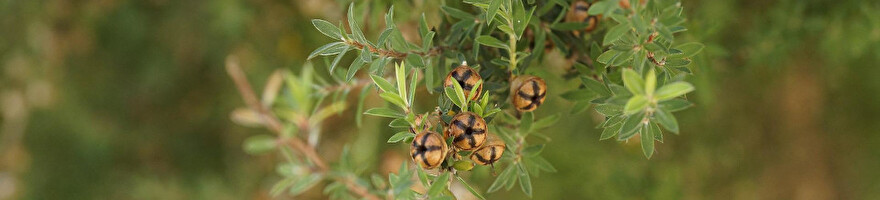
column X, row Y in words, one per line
column 394, row 54
column 274, row 124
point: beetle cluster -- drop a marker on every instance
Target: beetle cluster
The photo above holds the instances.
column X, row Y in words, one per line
column 468, row 131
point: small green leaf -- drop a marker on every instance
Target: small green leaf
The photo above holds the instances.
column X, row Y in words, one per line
column 456, row 13
column 393, row 98
column 545, row 122
column 383, row 84
column 459, row 92
column 688, row 49
column 673, row 90
column 400, row 136
column 647, row 141
column 353, row 25
column 400, row 71
column 674, row 105
column 429, row 79
column 502, row 179
column 259, row 144
column 595, row 86
column 453, row 96
column 352, row 70
column 639, row 24
column 526, row 121
column 469, row 188
column 610, row 131
column 525, row 182
column 506, row 29
column 633, row 82
column 280, row 186
column 533, row 150
column 360, row 107
column 615, row 33
column 491, row 41
column 492, row 10
column 463, row 165
column 667, row 120
column 579, row 95
column 384, row 112
column 474, row 89
column 338, row 58
column 334, row 47
column 423, row 26
column 542, row 164
column 635, row 104
column 650, row 82
column 609, row 109
column 630, row 125
column 439, row 184
column 366, row 55
column 607, row 56
column 622, row 58
column 599, row 7
column 327, row 29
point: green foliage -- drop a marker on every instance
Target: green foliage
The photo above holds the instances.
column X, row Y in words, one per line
column 635, row 79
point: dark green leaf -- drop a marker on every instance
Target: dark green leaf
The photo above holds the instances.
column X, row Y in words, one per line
column 569, row 26
column 533, row 150
column 610, row 131
column 667, row 120
column 595, row 86
column 615, row 33
column 630, row 125
column 494, row 5
column 491, row 41
column 578, row 95
column 456, row 13
column 600, row 7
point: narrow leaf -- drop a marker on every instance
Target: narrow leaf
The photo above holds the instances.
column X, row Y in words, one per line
column 673, row 90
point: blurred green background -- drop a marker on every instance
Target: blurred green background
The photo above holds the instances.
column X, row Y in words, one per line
column 116, row 99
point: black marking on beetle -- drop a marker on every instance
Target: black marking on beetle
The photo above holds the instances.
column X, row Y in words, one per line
column 469, row 131
column 462, row 79
column 480, row 158
column 534, row 98
column 582, row 8
column 492, row 154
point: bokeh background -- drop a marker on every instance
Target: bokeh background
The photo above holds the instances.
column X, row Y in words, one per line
column 126, row 99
